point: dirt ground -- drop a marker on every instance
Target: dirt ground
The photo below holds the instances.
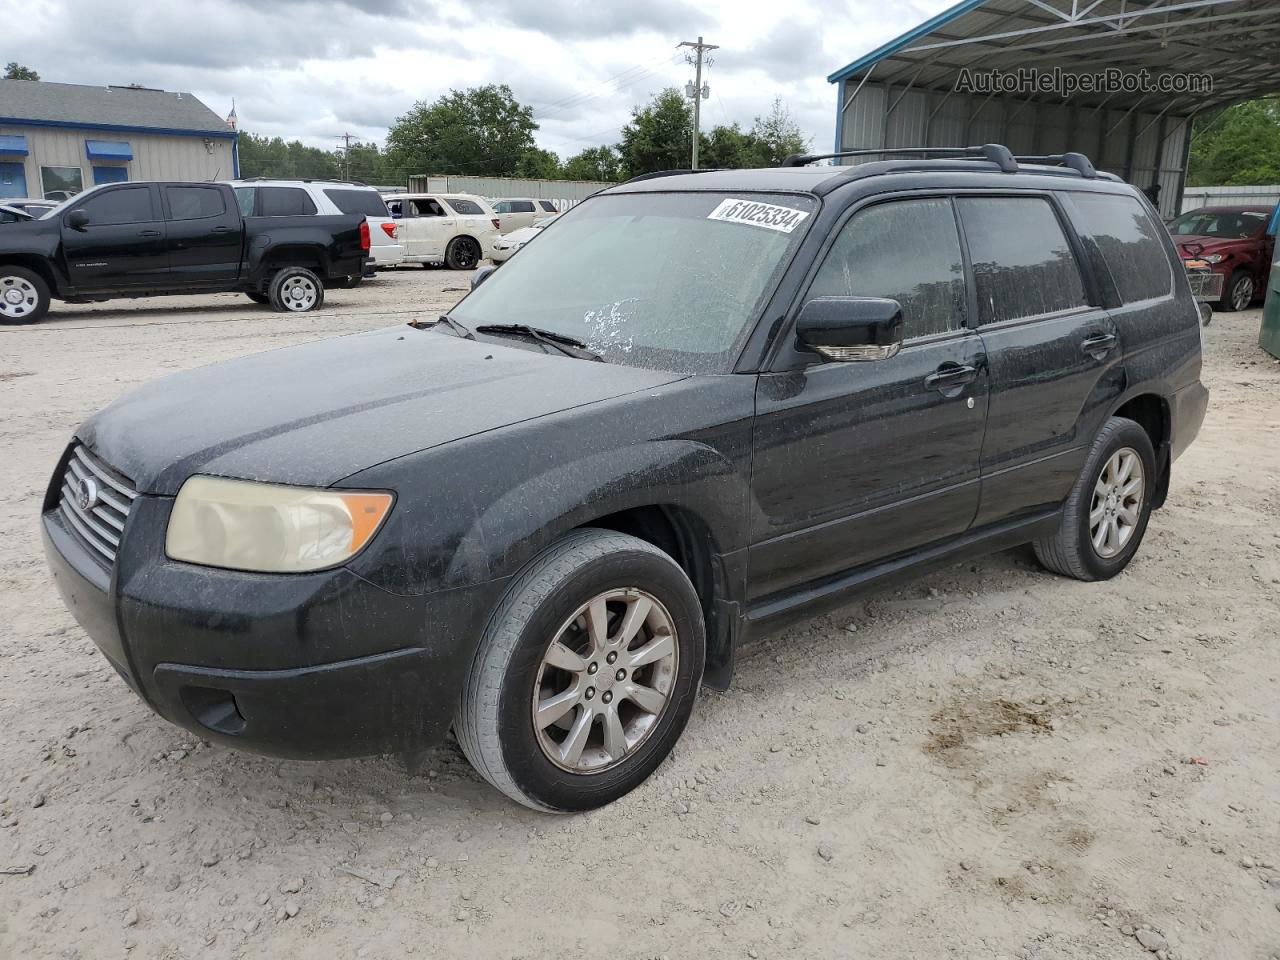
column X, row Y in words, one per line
column 992, row 762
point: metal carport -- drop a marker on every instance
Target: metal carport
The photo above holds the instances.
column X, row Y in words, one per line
column 904, row 93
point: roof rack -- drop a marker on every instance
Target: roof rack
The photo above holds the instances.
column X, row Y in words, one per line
column 996, row 153
column 667, row 173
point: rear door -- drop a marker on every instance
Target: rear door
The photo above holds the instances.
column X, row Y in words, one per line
column 204, row 235
column 1053, row 351
column 472, row 219
column 123, row 244
column 857, row 462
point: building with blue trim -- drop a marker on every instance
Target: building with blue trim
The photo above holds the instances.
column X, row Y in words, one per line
column 57, row 139
column 1119, row 80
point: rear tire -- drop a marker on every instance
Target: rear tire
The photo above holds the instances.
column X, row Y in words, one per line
column 1106, row 514
column 463, row 253
column 606, row 626
column 24, row 296
column 295, row 290
column 1239, row 293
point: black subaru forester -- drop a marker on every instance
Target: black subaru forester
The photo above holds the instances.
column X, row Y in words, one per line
column 693, row 409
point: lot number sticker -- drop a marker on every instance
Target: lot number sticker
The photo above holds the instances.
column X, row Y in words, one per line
column 767, row 215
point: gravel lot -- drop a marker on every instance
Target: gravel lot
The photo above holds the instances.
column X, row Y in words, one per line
column 991, row 762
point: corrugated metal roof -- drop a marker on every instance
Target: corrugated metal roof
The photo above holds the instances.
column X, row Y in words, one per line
column 39, row 101
column 1236, row 41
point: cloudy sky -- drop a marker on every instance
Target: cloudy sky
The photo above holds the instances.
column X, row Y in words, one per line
column 314, row 69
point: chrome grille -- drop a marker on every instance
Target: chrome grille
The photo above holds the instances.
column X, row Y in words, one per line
column 95, row 503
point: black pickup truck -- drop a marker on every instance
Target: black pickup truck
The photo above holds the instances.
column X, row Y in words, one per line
column 152, row 239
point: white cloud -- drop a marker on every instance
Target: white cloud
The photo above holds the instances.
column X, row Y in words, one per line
column 315, row 69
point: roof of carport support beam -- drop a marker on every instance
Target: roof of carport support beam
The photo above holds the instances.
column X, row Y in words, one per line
column 1234, row 41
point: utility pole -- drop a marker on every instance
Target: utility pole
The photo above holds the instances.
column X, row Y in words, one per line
column 698, row 91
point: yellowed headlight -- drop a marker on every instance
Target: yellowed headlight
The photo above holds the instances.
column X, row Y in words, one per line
column 268, row 528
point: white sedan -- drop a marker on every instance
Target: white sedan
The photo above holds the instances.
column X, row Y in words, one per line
column 505, row 247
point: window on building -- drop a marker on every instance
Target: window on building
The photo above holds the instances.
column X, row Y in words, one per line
column 284, row 202
column 59, row 183
column 194, row 203
column 1022, row 263
column 127, row 205
column 1127, row 244
column 365, row 202
column 905, row 250
column 466, row 208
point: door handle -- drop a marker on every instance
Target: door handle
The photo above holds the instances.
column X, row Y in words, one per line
column 948, row 377
column 1099, row 346
column 221, row 229
column 148, row 233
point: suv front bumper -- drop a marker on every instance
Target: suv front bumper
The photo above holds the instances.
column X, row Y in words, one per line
column 308, row 666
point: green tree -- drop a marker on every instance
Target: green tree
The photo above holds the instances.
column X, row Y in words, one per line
column 594, row 163
column 366, row 163
column 16, row 71
column 1239, row 147
column 539, row 164
column 776, row 136
column 728, row 148
column 272, row 157
column 481, row 131
column 659, row 136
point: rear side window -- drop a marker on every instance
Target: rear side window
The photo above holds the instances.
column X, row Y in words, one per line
column 194, row 203
column 906, row 250
column 548, row 206
column 1127, row 244
column 364, row 202
column 466, row 208
column 128, row 205
column 522, row 206
column 284, row 202
column 1022, row 263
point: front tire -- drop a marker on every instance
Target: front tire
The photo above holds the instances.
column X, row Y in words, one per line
column 463, row 253
column 1239, row 293
column 24, row 296
column 1106, row 513
column 295, row 290
column 586, row 675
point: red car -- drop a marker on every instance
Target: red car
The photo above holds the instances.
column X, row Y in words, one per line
column 1234, row 244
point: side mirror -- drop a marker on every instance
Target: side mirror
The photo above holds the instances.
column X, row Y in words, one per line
column 851, row 328
column 481, row 275
column 77, row 219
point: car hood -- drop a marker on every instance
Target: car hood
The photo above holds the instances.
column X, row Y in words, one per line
column 316, row 413
column 1198, row 246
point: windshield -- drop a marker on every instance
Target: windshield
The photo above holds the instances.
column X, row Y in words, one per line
column 1224, row 224
column 667, row 281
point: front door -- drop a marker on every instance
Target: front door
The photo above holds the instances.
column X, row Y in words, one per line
column 427, row 227
column 204, row 236
column 861, row 461
column 13, row 180
column 122, row 245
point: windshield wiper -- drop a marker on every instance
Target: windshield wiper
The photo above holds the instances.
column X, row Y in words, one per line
column 569, row 346
column 448, row 321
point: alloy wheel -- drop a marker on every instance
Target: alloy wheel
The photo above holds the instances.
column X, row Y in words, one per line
column 18, row 297
column 605, row 681
column 1242, row 293
column 1116, row 509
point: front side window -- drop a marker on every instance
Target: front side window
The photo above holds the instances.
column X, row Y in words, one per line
column 284, row 202
column 466, row 208
column 1023, row 265
column 194, row 203
column 129, row 205
column 1127, row 244
column 59, row 183
column 904, row 250
column 675, row 282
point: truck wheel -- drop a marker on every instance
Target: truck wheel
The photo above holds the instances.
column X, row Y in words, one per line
column 1239, row 292
column 586, row 675
column 1106, row 513
column 24, row 296
column 295, row 290
column 463, row 253
column 258, row 297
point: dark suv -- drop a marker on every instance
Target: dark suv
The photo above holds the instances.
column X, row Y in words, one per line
column 546, row 519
